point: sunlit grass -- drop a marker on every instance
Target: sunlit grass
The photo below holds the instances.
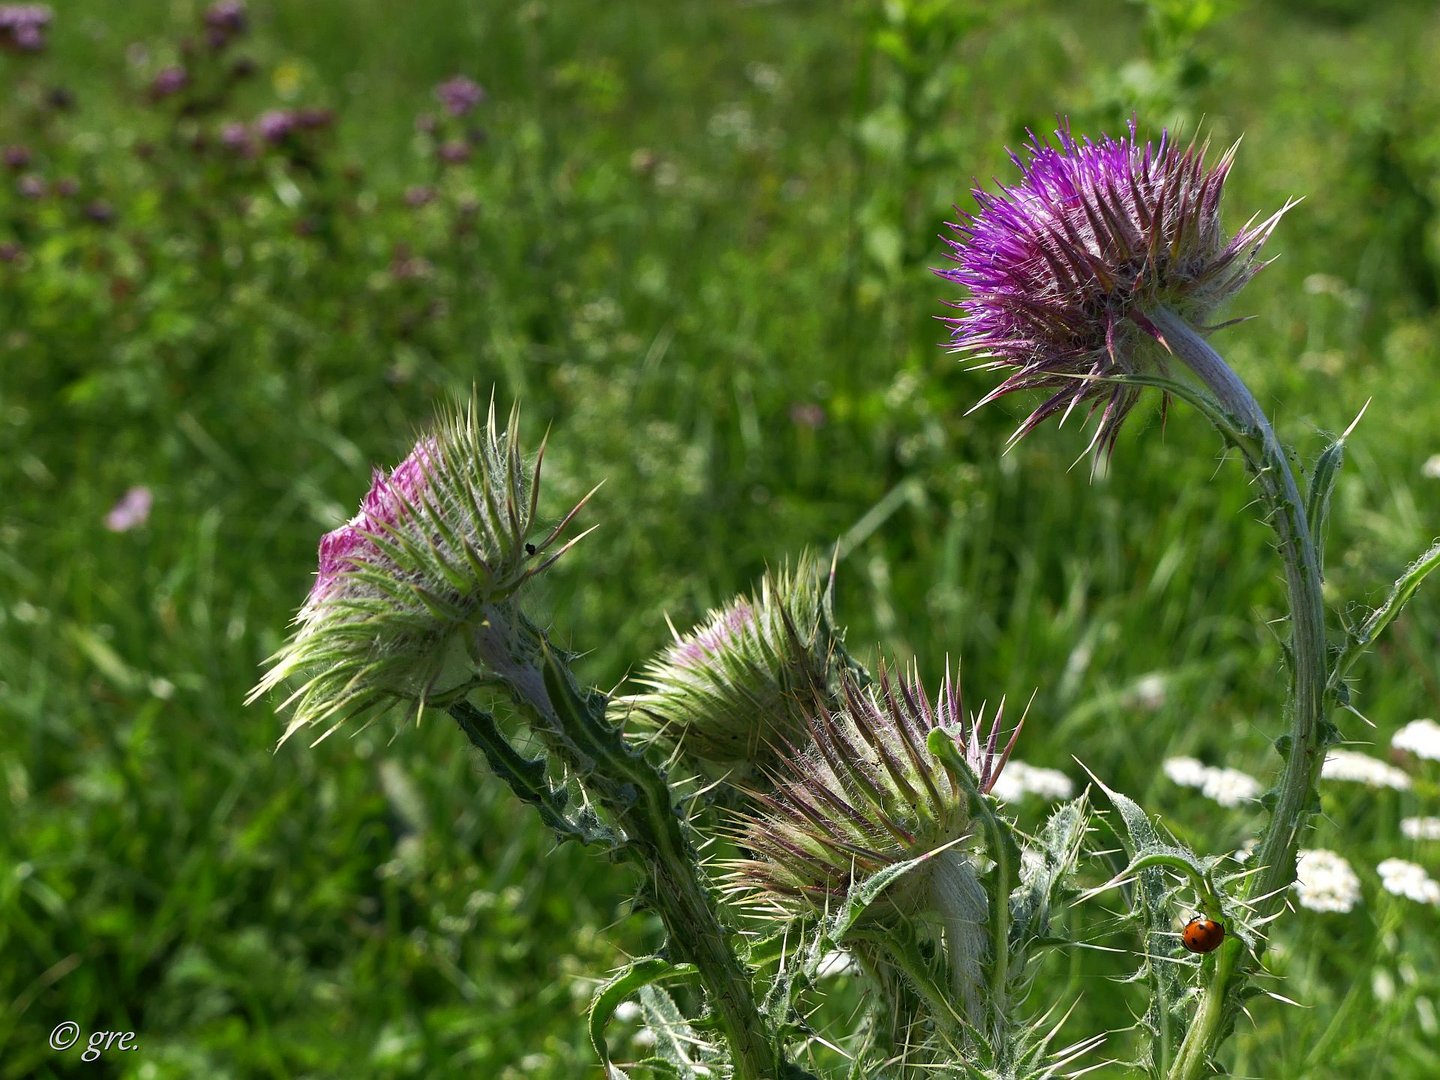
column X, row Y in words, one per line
column 699, row 249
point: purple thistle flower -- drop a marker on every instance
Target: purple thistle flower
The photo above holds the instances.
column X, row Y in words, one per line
column 1068, row 269
column 459, row 95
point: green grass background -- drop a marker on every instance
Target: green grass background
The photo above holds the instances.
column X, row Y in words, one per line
column 690, row 220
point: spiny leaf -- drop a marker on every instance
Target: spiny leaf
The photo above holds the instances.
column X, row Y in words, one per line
column 626, row 982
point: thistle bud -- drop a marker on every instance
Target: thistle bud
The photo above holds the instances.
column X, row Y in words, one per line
column 413, row 593
column 866, row 794
column 733, row 690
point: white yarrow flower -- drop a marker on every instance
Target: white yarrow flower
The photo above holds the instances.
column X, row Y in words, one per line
column 1410, row 880
column 1019, row 780
column 1150, row 691
column 1230, row 787
column 1325, row 882
column 1363, row 769
column 1420, row 828
column 1419, row 737
column 1186, row 771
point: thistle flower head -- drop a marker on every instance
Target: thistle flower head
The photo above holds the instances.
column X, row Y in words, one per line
column 1065, row 267
column 733, row 690
column 866, row 794
column 410, row 591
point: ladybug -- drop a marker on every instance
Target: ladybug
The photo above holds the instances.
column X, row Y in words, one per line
column 1202, row 935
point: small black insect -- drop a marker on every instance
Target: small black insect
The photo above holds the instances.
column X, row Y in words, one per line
column 529, row 549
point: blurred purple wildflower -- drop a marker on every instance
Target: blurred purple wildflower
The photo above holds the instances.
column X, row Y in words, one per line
column 1066, row 268
column 132, row 511
column 23, row 26
column 100, row 212
column 418, row 195
column 236, row 137
column 312, row 118
column 275, row 125
column 807, row 414
column 224, row 21
column 453, row 152
column 30, row 186
column 10, row 252
column 17, row 157
column 459, row 95
column 168, row 82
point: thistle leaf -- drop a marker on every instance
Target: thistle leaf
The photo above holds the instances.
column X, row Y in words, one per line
column 1400, row 594
column 621, row 986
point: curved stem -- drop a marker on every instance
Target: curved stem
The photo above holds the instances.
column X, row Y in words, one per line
column 1304, row 749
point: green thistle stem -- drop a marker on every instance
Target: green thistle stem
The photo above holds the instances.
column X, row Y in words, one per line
column 640, row 801
column 1304, row 747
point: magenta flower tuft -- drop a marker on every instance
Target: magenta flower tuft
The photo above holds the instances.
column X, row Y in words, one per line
column 388, row 501
column 1069, row 269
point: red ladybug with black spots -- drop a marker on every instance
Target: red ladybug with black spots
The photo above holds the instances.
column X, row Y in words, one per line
column 1202, row 935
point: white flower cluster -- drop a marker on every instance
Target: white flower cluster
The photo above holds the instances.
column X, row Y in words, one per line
column 1228, row 787
column 1363, row 769
column 1420, row 828
column 1018, row 779
column 1419, row 737
column 1409, row 880
column 1325, row 882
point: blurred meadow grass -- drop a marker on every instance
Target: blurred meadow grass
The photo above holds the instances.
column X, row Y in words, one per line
column 694, row 243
